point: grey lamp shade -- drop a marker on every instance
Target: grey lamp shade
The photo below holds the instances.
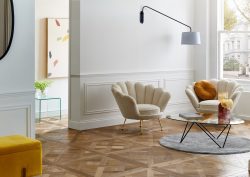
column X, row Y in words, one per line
column 190, row 38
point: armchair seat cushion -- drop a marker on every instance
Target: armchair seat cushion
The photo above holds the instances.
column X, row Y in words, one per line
column 209, row 105
column 148, row 109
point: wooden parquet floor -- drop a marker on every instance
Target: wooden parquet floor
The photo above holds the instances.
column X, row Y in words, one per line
column 110, row 152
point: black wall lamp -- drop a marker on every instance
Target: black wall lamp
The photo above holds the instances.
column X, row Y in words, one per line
column 187, row 38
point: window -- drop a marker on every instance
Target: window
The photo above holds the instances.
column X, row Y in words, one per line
column 235, row 40
column 238, row 44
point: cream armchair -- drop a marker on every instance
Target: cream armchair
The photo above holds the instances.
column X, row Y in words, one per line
column 140, row 102
column 211, row 106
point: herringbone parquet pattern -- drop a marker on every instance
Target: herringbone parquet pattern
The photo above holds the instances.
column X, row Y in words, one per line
column 110, row 152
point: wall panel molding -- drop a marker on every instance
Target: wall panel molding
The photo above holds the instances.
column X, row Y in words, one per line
column 138, row 73
column 27, row 115
column 98, row 107
column 17, row 113
column 87, row 87
column 17, row 93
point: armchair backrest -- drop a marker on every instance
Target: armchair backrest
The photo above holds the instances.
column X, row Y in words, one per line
column 226, row 85
column 126, row 103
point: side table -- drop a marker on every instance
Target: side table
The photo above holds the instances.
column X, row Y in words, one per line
column 40, row 99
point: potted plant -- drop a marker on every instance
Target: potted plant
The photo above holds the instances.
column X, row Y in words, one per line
column 41, row 86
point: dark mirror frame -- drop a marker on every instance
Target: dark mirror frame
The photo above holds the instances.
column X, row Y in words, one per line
column 12, row 30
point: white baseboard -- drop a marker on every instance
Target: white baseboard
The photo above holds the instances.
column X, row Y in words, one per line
column 97, row 123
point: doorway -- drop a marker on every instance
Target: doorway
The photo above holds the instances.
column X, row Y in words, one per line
column 52, row 60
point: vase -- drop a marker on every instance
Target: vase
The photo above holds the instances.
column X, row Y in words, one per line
column 223, row 115
column 38, row 93
column 41, row 94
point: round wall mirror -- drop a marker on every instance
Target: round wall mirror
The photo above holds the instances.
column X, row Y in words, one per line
column 6, row 26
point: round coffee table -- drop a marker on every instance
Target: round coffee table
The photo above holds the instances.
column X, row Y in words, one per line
column 201, row 120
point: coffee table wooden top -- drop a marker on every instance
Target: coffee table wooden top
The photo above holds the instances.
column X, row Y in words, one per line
column 205, row 119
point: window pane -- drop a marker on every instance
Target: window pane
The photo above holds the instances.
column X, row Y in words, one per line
column 236, row 60
column 235, row 44
column 237, row 15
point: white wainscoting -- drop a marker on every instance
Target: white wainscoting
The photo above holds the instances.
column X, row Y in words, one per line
column 17, row 113
column 99, row 108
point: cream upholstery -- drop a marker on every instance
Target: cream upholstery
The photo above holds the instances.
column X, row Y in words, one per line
column 140, row 102
column 148, row 109
column 211, row 106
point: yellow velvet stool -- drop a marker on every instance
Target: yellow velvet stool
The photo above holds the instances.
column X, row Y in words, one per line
column 20, row 156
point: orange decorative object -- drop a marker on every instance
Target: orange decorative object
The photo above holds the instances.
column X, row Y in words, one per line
column 205, row 90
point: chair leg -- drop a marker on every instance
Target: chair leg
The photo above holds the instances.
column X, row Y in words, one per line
column 160, row 123
column 141, row 121
column 24, row 172
column 124, row 124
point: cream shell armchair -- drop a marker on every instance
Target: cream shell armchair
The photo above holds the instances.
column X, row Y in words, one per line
column 140, row 102
column 211, row 106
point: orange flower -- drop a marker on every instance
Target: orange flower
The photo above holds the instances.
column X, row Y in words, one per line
column 226, row 103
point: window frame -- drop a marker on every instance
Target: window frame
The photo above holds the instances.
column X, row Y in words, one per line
column 221, row 30
column 220, row 54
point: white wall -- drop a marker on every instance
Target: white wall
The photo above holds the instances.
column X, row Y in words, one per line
column 201, row 52
column 113, row 46
column 59, row 88
column 17, row 75
column 113, row 40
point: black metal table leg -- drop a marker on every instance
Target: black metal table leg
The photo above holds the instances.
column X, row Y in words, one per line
column 185, row 133
column 227, row 136
column 204, row 130
column 40, row 110
column 189, row 125
column 222, row 131
column 60, row 108
column 207, row 130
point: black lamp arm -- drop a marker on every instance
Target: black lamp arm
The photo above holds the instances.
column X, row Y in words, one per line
column 167, row 16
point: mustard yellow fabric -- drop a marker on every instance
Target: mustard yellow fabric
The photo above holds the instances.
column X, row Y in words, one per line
column 18, row 152
column 205, row 90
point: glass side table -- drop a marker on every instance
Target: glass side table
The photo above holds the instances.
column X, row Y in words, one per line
column 40, row 99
